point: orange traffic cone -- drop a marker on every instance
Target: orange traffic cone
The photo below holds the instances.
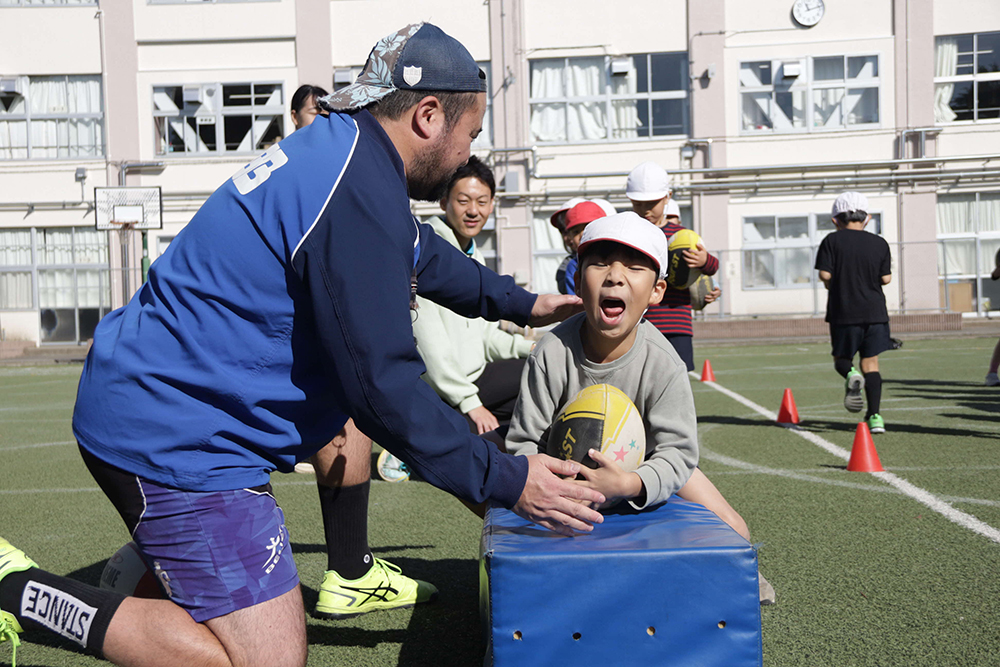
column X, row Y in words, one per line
column 864, row 458
column 706, row 372
column 788, row 414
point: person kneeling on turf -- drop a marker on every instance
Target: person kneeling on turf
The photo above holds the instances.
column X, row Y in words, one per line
column 623, row 263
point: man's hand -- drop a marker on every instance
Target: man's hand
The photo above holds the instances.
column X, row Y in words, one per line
column 483, row 419
column 559, row 505
column 696, row 258
column 551, row 308
column 713, row 295
column 611, row 479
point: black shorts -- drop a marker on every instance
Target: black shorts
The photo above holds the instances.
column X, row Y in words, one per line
column 683, row 345
column 499, row 386
column 870, row 340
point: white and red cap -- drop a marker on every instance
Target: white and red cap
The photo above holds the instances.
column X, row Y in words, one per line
column 565, row 207
column 605, row 206
column 632, row 230
column 647, row 182
column 672, row 208
column 583, row 213
column 848, row 202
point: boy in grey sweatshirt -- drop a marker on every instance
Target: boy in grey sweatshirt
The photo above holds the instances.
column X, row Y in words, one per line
column 623, row 262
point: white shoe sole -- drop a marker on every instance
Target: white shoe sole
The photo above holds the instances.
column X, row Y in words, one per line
column 852, row 399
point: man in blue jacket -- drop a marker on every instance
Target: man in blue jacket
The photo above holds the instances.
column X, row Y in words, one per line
column 280, row 311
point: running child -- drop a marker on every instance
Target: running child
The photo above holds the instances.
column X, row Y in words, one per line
column 855, row 265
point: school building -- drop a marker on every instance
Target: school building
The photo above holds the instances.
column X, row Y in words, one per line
column 763, row 111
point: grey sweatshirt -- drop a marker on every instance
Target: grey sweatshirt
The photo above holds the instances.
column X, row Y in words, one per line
column 650, row 373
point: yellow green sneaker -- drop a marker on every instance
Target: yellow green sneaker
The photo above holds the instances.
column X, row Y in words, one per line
column 12, row 559
column 876, row 424
column 384, row 587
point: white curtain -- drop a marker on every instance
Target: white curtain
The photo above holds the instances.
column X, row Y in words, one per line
column 549, row 253
column 55, row 246
column 548, row 121
column 572, row 121
column 956, row 214
column 625, row 113
column 956, row 257
column 65, row 137
column 93, row 289
column 586, row 120
column 55, row 289
column 15, row 247
column 946, row 64
column 15, row 290
column 14, row 133
column 91, row 246
column 989, row 212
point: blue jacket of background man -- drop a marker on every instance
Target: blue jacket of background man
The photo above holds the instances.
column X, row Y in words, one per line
column 281, row 309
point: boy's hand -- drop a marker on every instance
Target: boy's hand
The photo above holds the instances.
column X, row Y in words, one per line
column 610, row 479
column 696, row 258
column 483, row 419
column 559, row 505
column 551, row 308
column 713, row 295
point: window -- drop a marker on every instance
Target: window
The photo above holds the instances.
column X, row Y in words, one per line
column 809, row 94
column 217, row 118
column 603, row 98
column 61, row 271
column 779, row 251
column 51, row 117
column 962, row 220
column 44, row 3
column 967, row 77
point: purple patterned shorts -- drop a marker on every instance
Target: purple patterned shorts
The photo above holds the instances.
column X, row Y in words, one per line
column 212, row 552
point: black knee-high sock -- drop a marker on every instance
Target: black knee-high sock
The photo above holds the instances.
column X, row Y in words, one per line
column 44, row 601
column 842, row 366
column 345, row 523
column 873, row 392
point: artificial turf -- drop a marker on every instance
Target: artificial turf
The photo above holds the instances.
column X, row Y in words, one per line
column 864, row 574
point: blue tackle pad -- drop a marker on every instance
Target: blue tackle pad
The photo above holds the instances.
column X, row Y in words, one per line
column 672, row 585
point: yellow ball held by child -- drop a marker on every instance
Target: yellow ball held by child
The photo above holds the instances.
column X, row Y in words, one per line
column 679, row 274
column 601, row 417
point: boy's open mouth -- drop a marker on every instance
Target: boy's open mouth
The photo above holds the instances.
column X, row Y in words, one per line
column 612, row 308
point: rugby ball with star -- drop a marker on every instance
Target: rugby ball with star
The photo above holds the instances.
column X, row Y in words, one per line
column 679, row 274
column 600, row 417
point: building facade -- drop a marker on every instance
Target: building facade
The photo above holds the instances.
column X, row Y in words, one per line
column 763, row 112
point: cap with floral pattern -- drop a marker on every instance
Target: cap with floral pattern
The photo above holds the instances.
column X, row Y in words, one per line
column 418, row 57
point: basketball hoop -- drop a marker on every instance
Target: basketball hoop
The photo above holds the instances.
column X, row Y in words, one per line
column 126, row 209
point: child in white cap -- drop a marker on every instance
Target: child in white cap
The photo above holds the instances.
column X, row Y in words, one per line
column 854, row 266
column 623, row 262
column 648, row 187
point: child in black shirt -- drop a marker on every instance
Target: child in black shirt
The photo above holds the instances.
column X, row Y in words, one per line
column 854, row 266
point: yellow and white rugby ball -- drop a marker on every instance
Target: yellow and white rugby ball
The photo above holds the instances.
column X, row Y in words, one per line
column 601, row 417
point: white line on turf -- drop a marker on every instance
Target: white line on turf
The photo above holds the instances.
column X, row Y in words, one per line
column 920, row 495
column 746, row 468
column 38, row 445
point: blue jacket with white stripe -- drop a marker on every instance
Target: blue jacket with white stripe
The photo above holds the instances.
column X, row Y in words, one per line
column 281, row 309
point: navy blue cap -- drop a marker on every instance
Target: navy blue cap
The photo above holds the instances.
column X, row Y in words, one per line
column 418, row 57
